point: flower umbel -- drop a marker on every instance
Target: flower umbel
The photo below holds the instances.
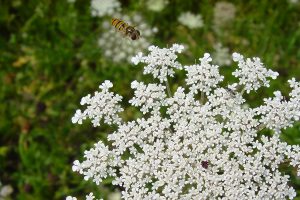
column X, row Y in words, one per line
column 203, row 77
column 160, row 62
column 221, row 56
column 191, row 147
column 100, row 8
column 103, row 104
column 191, row 20
column 156, row 5
column 252, row 73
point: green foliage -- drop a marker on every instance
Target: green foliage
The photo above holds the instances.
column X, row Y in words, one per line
column 49, row 59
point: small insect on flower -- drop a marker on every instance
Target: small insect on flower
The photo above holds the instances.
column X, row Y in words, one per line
column 204, row 164
column 125, row 29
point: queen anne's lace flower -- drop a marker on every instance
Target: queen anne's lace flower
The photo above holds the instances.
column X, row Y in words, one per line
column 156, row 5
column 103, row 104
column 191, row 147
column 293, row 1
column 203, row 77
column 150, row 96
column 279, row 113
column 252, row 73
column 100, row 163
column 100, row 8
column 191, row 20
column 224, row 13
column 87, row 197
column 160, row 62
column 71, row 198
column 221, row 56
column 5, row 191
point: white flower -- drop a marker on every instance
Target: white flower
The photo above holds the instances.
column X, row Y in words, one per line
column 277, row 113
column 137, row 59
column 221, row 55
column 177, row 48
column 156, row 5
column 100, row 8
column 5, row 191
column 119, row 48
column 100, row 163
column 149, row 96
column 103, row 105
column 203, row 77
column 224, row 13
column 251, row 73
column 293, row 1
column 190, row 146
column 191, row 20
column 160, row 62
column 78, row 117
column 71, row 198
column 90, row 196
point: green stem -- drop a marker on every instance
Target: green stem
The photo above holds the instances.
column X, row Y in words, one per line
column 242, row 92
column 202, row 97
column 168, row 88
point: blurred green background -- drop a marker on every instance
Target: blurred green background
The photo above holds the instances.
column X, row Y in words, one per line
column 50, row 58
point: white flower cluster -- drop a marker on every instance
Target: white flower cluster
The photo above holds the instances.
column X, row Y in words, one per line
column 100, row 163
column 191, row 20
column 293, row 1
column 119, row 48
column 100, row 8
column 103, row 104
column 88, row 197
column 279, row 113
column 156, row 5
column 252, row 73
column 150, row 96
column 190, row 147
column 71, row 1
column 203, row 77
column 221, row 56
column 160, row 62
column 224, row 13
column 5, row 191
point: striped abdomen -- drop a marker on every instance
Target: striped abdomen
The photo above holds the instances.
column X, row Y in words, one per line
column 119, row 25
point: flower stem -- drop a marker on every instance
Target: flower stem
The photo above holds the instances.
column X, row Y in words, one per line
column 242, row 92
column 202, row 97
column 168, row 88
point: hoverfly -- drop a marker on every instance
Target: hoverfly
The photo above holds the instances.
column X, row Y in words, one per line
column 125, row 29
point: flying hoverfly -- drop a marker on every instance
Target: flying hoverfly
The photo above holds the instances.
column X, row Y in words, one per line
column 125, row 29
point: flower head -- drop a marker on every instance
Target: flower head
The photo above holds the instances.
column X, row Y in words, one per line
column 224, row 13
column 156, row 5
column 103, row 105
column 201, row 142
column 251, row 72
column 71, row 198
column 5, row 191
column 221, row 56
column 149, row 96
column 203, row 76
column 160, row 62
column 100, row 8
column 191, row 20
